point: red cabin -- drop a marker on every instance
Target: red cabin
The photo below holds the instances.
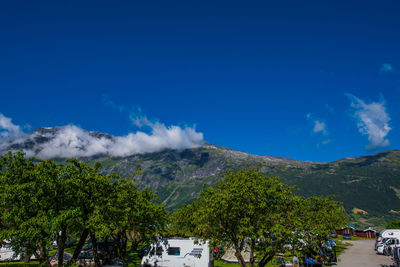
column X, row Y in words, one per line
column 346, row 230
column 368, row 233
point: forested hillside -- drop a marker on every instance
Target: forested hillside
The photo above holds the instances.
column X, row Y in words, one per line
column 369, row 186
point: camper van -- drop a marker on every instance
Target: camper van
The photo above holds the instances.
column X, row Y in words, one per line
column 385, row 235
column 6, row 252
column 178, row 252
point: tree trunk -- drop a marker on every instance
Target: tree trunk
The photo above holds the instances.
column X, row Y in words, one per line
column 252, row 258
column 121, row 243
column 240, row 258
column 107, row 252
column 42, row 255
column 124, row 240
column 27, row 258
column 80, row 245
column 267, row 258
column 136, row 239
column 61, row 244
column 94, row 248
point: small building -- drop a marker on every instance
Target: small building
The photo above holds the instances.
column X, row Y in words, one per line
column 347, row 230
column 367, row 233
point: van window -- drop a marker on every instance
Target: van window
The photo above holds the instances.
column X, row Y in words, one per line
column 159, row 251
column 196, row 252
column 174, row 251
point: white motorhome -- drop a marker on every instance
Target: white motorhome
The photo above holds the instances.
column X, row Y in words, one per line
column 6, row 252
column 385, row 235
column 389, row 233
column 188, row 252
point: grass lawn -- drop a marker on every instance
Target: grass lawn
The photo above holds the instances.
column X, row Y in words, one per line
column 219, row 263
column 133, row 259
column 20, row 263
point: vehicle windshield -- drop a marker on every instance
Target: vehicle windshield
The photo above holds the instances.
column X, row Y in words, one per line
column 389, row 241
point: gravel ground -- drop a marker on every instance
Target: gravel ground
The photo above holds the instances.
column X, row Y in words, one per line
column 362, row 253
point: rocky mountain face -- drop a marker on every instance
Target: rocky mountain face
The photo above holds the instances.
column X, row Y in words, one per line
column 369, row 186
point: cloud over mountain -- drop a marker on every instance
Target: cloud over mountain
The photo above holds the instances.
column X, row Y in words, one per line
column 72, row 141
column 7, row 128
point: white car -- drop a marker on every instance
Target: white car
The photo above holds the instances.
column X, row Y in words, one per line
column 386, row 247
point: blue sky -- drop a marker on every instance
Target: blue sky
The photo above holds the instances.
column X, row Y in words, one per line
column 310, row 80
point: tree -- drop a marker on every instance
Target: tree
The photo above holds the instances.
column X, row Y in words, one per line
column 37, row 204
column 24, row 222
column 40, row 200
column 242, row 209
column 246, row 208
column 130, row 213
column 393, row 225
column 321, row 216
column 57, row 187
column 112, row 207
column 91, row 193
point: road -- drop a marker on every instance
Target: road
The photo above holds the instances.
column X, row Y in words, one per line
column 362, row 253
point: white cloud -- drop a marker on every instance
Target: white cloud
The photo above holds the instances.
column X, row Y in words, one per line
column 387, row 68
column 7, row 128
column 372, row 120
column 320, row 127
column 72, row 141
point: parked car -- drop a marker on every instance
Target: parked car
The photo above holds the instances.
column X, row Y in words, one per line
column 333, row 235
column 380, row 242
column 389, row 246
column 386, row 247
column 385, row 235
column 346, row 236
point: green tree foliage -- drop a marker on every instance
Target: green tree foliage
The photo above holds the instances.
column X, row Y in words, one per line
column 23, row 221
column 393, row 225
column 42, row 200
column 247, row 208
column 321, row 216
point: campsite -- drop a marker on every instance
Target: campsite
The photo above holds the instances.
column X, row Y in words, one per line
column 206, row 133
column 90, row 218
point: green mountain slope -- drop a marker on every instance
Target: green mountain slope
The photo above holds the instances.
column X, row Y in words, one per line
column 370, row 183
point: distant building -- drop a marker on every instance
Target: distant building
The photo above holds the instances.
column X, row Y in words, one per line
column 347, row 230
column 368, row 233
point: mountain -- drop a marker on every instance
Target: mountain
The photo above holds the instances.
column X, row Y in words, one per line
column 369, row 186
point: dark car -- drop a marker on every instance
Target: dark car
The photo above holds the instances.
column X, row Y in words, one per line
column 333, row 235
column 346, row 236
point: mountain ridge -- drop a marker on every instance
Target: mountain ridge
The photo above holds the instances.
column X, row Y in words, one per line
column 369, row 183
